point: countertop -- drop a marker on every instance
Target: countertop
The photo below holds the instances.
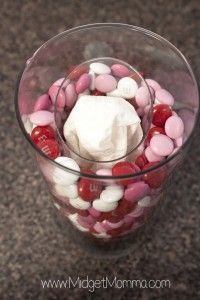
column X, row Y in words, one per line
column 32, row 246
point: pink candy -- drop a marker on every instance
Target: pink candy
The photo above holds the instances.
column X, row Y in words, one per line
column 71, row 96
column 120, row 70
column 42, row 118
column 142, row 96
column 93, row 212
column 151, row 157
column 153, row 84
column 83, row 83
column 42, row 103
column 56, row 93
column 136, row 191
column 164, row 97
column 174, row 127
column 105, row 83
column 161, row 145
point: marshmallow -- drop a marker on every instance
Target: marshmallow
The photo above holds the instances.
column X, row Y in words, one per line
column 102, row 127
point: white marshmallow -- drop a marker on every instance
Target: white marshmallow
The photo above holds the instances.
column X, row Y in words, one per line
column 64, row 177
column 70, row 191
column 102, row 127
column 79, row 203
column 112, row 193
column 100, row 68
column 127, row 87
column 103, row 206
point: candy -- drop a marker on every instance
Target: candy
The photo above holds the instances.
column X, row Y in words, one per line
column 83, row 83
column 70, row 94
column 64, row 177
column 152, row 156
column 174, row 127
column 141, row 161
column 153, row 84
column 124, row 168
column 98, row 227
column 153, row 131
column 142, row 96
column 154, row 178
column 27, row 124
column 62, row 82
column 103, row 206
column 89, row 189
column 70, row 191
column 42, row 118
column 50, row 148
column 95, row 213
column 161, row 113
column 42, row 103
column 92, row 82
column 136, row 191
column 163, row 96
column 105, row 83
column 79, row 203
column 128, row 87
column 100, row 68
column 161, row 145
column 178, row 142
column 57, row 96
column 115, row 93
column 40, row 133
column 112, row 193
column 120, row 70
column 145, row 202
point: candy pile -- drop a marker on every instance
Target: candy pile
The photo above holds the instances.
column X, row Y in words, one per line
column 107, row 208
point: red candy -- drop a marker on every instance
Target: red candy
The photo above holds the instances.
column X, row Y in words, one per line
column 97, row 93
column 154, row 178
column 124, row 168
column 88, row 189
column 153, row 131
column 82, row 213
column 50, row 148
column 41, row 133
column 141, row 161
column 161, row 113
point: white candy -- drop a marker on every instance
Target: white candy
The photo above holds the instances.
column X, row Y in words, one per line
column 73, row 219
column 64, row 177
column 102, row 127
column 79, row 203
column 128, row 87
column 145, row 202
column 102, row 235
column 115, row 93
column 70, row 191
column 92, row 83
column 27, row 123
column 100, row 68
column 112, row 193
column 103, row 206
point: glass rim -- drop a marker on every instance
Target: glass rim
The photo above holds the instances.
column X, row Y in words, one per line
column 97, row 25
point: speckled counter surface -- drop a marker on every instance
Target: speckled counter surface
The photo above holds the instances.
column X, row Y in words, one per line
column 32, row 246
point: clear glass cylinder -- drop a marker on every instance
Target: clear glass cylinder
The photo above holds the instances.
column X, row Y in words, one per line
column 150, row 55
